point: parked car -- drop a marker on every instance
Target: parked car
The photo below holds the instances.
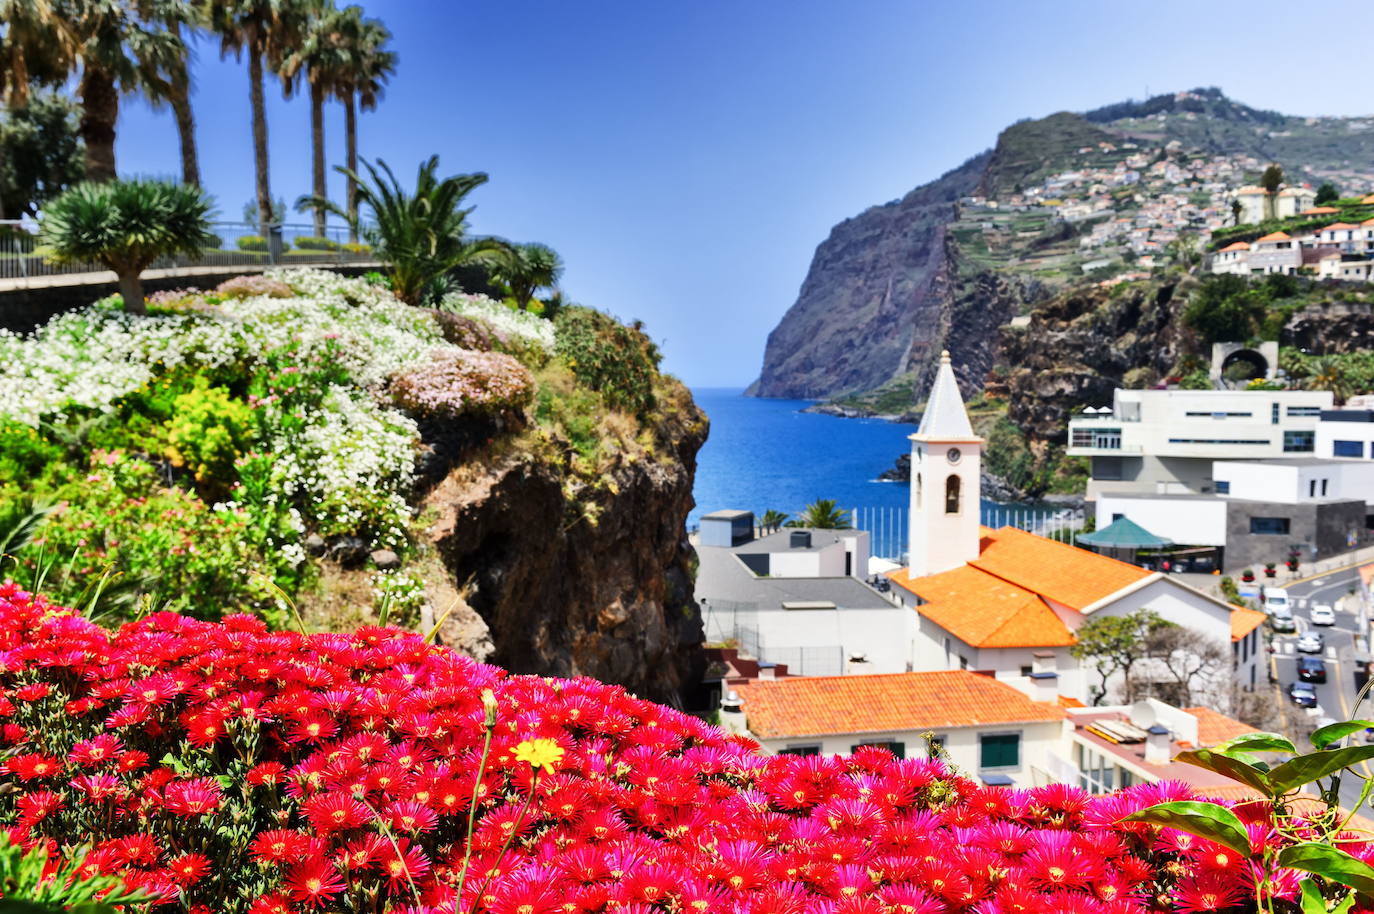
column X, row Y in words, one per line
column 1311, row 642
column 1281, row 620
column 1311, row 669
column 1323, row 614
column 1276, row 598
column 1302, row 695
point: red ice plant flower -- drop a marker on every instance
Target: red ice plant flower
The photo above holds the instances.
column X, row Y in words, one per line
column 239, row 770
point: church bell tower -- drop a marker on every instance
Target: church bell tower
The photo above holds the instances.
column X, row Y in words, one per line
column 946, row 482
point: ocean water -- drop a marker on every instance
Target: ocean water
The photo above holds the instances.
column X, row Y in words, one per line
column 764, row 454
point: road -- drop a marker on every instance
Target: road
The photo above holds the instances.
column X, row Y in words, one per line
column 1344, row 640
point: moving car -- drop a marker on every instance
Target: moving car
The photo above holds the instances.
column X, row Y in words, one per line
column 1276, row 598
column 1281, row 620
column 1311, row 642
column 1302, row 695
column 1311, row 669
column 1323, row 614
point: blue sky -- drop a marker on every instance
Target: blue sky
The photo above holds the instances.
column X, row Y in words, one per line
column 686, row 158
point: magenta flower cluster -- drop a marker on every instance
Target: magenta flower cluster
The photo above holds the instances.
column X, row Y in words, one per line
column 456, row 382
column 234, row 769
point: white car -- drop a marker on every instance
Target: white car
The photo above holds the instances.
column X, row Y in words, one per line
column 1323, row 614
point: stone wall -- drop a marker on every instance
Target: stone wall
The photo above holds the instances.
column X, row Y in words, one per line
column 1327, row 525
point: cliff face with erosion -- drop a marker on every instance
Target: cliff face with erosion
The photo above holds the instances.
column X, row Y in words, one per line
column 579, row 576
column 873, row 296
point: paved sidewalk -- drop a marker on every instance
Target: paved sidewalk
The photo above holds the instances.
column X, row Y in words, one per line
column 104, row 277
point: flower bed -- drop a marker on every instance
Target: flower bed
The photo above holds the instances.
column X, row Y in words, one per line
column 233, row 769
column 455, row 382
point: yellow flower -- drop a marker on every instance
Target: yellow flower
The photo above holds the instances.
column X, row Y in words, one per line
column 540, row 753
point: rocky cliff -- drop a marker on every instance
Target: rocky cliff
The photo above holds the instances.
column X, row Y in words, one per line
column 873, row 299
column 1080, row 346
column 883, row 292
column 582, row 574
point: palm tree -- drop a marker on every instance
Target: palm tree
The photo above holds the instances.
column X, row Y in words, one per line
column 267, row 30
column 120, row 46
column 323, row 60
column 772, row 520
column 823, row 514
column 529, row 267
column 369, row 66
column 36, row 48
column 175, row 89
column 1326, row 373
column 421, row 234
column 126, row 225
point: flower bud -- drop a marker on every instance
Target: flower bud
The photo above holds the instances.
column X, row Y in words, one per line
column 489, row 705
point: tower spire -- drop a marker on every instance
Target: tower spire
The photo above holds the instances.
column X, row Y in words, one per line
column 946, row 481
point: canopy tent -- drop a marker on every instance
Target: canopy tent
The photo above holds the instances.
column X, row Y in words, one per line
column 1124, row 533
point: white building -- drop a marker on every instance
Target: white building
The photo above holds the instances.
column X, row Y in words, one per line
column 798, row 597
column 986, row 727
column 1008, row 602
column 1346, row 432
column 1166, row 441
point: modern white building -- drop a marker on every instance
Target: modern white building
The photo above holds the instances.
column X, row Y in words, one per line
column 1166, row 441
column 1347, row 432
column 1261, row 510
column 798, row 597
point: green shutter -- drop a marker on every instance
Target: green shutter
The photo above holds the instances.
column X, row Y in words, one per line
column 897, row 749
column 1001, row 750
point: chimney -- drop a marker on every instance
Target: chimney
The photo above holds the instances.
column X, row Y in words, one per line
column 1044, row 687
column 732, row 713
column 1043, row 662
column 767, row 671
column 801, row 539
column 1157, row 745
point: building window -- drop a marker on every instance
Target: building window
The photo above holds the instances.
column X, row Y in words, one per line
column 1299, row 442
column 1269, row 525
column 1223, row 486
column 1218, row 414
column 1347, row 449
column 999, row 750
column 1311, row 488
column 919, row 493
column 952, row 483
column 1258, row 441
column 1304, row 411
column 1324, row 488
column 1101, row 438
column 1027, row 670
column 1274, row 415
column 801, row 750
column 896, row 748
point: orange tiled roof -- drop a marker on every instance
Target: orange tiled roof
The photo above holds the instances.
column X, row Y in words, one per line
column 1244, row 621
column 829, row 705
column 1252, row 189
column 1214, row 727
column 1236, row 246
column 982, row 610
column 1057, row 571
column 1319, row 211
column 1275, row 236
column 1067, row 702
column 1336, row 226
column 1368, row 199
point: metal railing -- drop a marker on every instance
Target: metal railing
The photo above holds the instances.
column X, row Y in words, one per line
column 240, row 245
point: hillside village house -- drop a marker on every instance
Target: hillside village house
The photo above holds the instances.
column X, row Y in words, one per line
column 1009, row 602
column 1340, row 250
column 1256, row 205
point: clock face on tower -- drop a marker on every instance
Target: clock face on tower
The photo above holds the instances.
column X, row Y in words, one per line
column 953, row 455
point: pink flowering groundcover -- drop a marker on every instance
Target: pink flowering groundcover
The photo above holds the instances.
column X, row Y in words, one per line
column 228, row 768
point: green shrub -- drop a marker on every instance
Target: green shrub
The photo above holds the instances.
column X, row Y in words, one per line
column 617, row 361
column 315, row 243
column 256, row 244
column 354, row 247
column 574, row 413
column 24, row 453
column 457, row 382
column 1196, row 380
column 120, row 521
column 208, row 432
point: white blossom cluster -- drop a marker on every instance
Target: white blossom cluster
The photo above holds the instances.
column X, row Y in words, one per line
column 457, row 381
column 505, row 321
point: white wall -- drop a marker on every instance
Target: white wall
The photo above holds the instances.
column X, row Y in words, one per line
column 1293, row 484
column 884, row 636
column 1330, row 431
column 1197, row 521
column 1038, row 741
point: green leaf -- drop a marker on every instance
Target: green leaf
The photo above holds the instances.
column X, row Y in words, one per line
column 1312, row 900
column 1325, row 736
column 1206, row 820
column 1315, row 765
column 1329, row 863
column 1232, row 768
column 1256, row 742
